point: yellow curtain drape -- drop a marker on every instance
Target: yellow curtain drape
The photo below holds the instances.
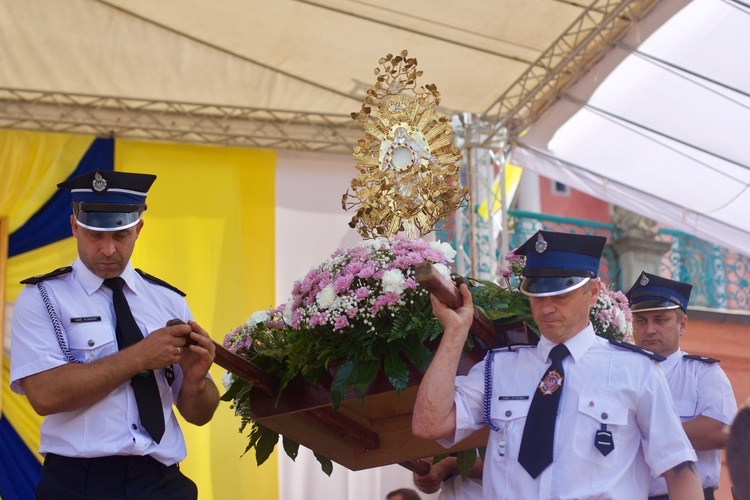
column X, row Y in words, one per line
column 209, row 230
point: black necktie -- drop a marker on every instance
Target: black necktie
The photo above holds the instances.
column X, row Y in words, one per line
column 539, row 433
column 144, row 384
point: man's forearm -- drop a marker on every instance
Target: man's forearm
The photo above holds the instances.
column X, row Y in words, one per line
column 434, row 409
column 705, row 433
column 683, row 482
column 74, row 386
column 197, row 402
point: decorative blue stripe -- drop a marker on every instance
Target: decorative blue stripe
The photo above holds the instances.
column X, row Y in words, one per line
column 19, row 469
column 562, row 260
column 52, row 222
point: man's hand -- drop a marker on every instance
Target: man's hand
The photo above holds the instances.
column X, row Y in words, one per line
column 198, row 396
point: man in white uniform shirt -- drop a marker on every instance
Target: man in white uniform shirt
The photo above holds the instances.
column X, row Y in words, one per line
column 701, row 390
column 92, row 351
column 614, row 422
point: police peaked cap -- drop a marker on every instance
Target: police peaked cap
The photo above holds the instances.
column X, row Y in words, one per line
column 105, row 200
column 654, row 293
column 557, row 263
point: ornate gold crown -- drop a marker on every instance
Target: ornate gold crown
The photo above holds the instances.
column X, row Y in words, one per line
column 408, row 166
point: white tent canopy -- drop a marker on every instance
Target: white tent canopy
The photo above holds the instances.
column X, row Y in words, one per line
column 661, row 126
column 656, row 127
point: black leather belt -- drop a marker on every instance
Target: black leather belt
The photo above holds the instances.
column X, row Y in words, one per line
column 115, row 462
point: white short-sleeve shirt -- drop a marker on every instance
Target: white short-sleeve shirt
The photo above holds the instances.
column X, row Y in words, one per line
column 606, row 387
column 699, row 389
column 84, row 307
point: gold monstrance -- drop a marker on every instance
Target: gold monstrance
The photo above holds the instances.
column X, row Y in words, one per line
column 408, row 166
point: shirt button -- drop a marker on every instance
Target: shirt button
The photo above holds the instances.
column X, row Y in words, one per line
column 91, row 342
column 133, row 426
column 605, row 416
column 591, row 403
column 508, row 413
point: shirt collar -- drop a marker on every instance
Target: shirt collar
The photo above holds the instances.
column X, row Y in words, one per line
column 577, row 345
column 91, row 282
column 672, row 360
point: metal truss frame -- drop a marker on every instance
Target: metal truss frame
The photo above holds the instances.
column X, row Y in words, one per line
column 176, row 121
column 564, row 63
column 595, row 31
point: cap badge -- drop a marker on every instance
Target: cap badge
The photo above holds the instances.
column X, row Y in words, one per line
column 551, row 383
column 541, row 245
column 99, row 184
column 644, row 280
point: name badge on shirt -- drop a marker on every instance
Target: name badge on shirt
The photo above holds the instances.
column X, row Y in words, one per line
column 86, row 319
column 512, row 398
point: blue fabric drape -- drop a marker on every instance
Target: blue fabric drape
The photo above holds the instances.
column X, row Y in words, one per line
column 19, row 469
column 51, row 222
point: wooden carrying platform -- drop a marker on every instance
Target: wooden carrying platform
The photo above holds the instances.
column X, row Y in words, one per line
column 360, row 436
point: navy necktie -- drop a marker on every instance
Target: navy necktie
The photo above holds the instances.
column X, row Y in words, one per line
column 539, row 433
column 144, row 384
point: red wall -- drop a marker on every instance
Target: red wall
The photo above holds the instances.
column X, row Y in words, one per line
column 575, row 205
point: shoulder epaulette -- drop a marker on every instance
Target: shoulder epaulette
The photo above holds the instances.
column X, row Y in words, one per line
column 42, row 277
column 696, row 357
column 154, row 279
column 640, row 350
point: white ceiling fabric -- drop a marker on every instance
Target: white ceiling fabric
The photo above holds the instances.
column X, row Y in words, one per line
column 662, row 126
column 307, row 56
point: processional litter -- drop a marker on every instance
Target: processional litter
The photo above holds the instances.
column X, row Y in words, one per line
column 408, row 184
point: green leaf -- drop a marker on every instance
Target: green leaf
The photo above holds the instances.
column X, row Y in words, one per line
column 395, row 368
column 354, row 376
column 238, row 389
column 265, row 443
column 417, row 354
column 342, row 381
column 325, row 464
column 365, row 372
column 465, row 461
column 290, row 447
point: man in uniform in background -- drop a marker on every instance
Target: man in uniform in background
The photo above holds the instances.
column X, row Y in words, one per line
column 92, row 352
column 599, row 419
column 700, row 389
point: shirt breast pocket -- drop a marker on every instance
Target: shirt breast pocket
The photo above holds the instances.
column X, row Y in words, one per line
column 509, row 415
column 686, row 408
column 595, row 415
column 91, row 341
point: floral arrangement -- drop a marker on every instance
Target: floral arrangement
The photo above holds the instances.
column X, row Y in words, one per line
column 611, row 316
column 362, row 309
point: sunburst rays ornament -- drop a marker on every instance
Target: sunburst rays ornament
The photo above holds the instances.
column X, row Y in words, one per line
column 408, row 166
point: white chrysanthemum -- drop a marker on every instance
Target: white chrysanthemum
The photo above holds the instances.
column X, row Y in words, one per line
column 257, row 317
column 228, row 379
column 443, row 269
column 288, row 313
column 621, row 321
column 393, row 281
column 326, row 297
column 445, row 248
